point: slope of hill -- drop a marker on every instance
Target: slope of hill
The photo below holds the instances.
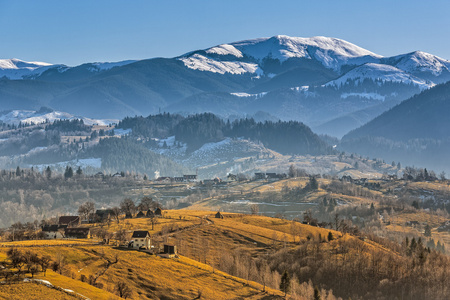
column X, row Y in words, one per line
column 342, row 125
column 422, row 116
column 382, row 73
column 414, row 132
column 242, row 256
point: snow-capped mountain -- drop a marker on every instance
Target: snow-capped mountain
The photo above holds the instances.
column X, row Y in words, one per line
column 330, row 52
column 19, row 69
column 422, row 64
column 383, row 73
column 46, row 115
column 16, row 69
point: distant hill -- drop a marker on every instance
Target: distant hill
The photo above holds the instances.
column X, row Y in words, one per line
column 415, row 132
column 423, row 116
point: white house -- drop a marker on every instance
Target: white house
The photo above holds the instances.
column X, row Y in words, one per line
column 140, row 239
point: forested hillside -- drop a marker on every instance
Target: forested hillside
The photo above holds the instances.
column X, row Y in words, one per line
column 126, row 154
column 285, row 137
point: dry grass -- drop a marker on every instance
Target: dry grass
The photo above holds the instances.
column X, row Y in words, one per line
column 153, row 277
column 148, row 276
column 50, row 242
column 32, row 291
column 399, row 220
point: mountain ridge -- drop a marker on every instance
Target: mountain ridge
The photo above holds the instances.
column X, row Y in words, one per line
column 292, row 77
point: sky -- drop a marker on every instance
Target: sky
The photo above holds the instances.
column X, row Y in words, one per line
column 75, row 32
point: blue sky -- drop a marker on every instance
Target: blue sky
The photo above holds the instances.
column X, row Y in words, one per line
column 73, row 32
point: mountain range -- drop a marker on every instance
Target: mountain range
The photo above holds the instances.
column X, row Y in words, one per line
column 320, row 81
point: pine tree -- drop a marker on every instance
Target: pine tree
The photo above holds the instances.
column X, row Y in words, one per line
column 330, row 236
column 285, row 283
column 48, row 172
column 316, row 293
column 79, row 171
column 68, row 173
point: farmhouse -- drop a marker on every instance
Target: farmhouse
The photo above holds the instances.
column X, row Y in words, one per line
column 140, row 215
column 190, row 178
column 260, row 176
column 140, row 239
column 164, row 179
column 103, row 215
column 52, row 232
column 77, row 233
column 69, row 221
column 231, row 177
column 158, row 212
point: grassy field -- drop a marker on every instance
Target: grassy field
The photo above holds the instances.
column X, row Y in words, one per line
column 32, row 291
column 148, row 276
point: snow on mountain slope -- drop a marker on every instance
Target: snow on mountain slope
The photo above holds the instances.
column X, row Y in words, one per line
column 203, row 63
column 225, row 49
column 103, row 66
column 15, row 69
column 20, row 64
column 331, row 52
column 364, row 95
column 18, row 69
column 30, row 116
column 419, row 61
column 380, row 72
column 245, row 95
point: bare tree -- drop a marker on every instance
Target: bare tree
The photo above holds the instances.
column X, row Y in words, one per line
column 146, row 203
column 45, row 263
column 86, row 209
column 153, row 221
column 59, row 263
column 254, row 208
column 115, row 212
column 122, row 235
column 16, row 258
column 127, row 206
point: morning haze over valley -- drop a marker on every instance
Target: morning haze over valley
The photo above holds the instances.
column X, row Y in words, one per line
column 221, row 151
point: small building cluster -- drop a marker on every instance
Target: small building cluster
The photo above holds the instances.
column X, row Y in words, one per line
column 149, row 214
column 270, row 176
column 67, row 227
column 184, row 178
